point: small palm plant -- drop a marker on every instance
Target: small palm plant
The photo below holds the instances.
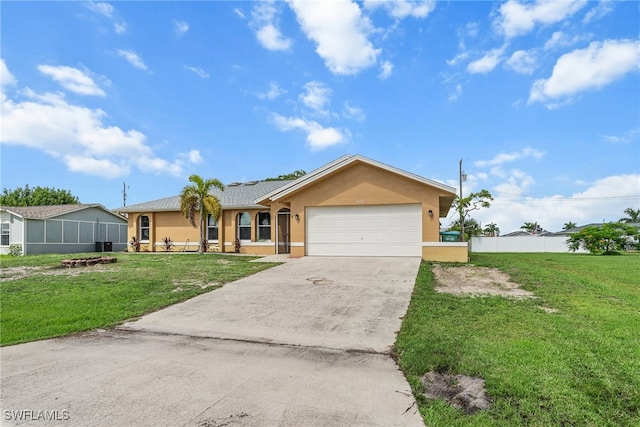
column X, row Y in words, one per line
column 195, row 200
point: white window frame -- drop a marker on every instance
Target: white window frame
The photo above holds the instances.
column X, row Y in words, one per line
column 242, row 227
column 141, row 227
column 260, row 226
column 215, row 226
column 5, row 227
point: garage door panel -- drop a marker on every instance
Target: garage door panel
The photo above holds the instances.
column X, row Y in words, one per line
column 381, row 230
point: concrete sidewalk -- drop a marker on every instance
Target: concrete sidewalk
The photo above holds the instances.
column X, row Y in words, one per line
column 333, row 321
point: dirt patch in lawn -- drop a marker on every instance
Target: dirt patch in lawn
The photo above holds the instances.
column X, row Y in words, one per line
column 17, row 273
column 477, row 281
column 465, row 393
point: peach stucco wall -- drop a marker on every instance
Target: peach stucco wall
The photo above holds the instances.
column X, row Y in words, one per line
column 355, row 184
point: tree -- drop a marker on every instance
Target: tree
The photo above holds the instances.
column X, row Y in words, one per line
column 569, row 225
column 532, row 227
column 606, row 238
column 195, row 200
column 38, row 196
column 288, row 177
column 633, row 215
column 491, row 230
column 471, row 228
column 472, row 202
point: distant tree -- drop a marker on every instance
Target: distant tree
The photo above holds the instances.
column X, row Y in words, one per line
column 288, row 177
column 605, row 239
column 532, row 227
column 471, row 228
column 569, row 225
column 491, row 230
column 633, row 215
column 195, row 201
column 38, row 196
column 472, row 202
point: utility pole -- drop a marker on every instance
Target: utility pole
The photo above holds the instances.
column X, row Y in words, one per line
column 124, row 193
column 463, row 177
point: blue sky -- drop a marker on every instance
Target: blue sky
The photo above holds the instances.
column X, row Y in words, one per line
column 541, row 100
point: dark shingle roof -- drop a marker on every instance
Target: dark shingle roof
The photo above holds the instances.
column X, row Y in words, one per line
column 233, row 196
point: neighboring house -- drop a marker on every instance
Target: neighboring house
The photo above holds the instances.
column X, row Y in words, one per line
column 61, row 229
column 353, row 206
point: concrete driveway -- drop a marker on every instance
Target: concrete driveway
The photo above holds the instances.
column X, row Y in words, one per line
column 304, row 343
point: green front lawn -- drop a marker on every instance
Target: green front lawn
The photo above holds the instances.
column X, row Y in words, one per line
column 577, row 367
column 40, row 299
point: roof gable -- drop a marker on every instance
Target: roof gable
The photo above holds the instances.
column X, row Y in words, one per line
column 50, row 211
column 339, row 164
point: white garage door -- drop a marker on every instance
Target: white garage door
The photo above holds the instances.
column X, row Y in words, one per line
column 381, row 230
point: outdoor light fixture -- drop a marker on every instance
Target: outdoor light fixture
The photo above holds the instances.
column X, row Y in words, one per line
column 297, row 217
column 431, row 213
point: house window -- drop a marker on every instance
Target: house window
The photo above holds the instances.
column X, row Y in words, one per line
column 244, row 226
column 264, row 226
column 212, row 228
column 144, row 228
column 4, row 235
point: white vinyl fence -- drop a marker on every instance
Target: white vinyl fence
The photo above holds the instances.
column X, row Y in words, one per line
column 520, row 244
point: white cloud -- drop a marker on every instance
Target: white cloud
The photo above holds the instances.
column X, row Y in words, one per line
column 273, row 92
column 133, row 58
column 601, row 10
column 559, row 39
column 181, row 27
column 104, row 9
column 521, row 61
column 585, row 69
column 239, row 13
column 455, row 93
column 72, row 79
column 340, row 33
column 386, row 69
column 462, row 56
column 194, row 157
column 351, row 112
column 78, row 136
column 487, row 63
column 622, row 139
column 516, row 18
column 120, row 27
column 503, row 158
column 316, row 96
column 318, row 137
column 605, row 199
column 198, row 71
column 6, row 78
column 401, row 9
column 265, row 24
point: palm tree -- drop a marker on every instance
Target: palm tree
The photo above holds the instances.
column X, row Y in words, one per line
column 569, row 225
column 492, row 230
column 633, row 215
column 532, row 227
column 195, row 199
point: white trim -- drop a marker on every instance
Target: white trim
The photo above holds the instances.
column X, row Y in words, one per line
column 247, row 243
column 297, row 244
column 444, row 244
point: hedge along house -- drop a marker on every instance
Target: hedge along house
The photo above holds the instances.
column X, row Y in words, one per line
column 62, row 229
column 353, row 206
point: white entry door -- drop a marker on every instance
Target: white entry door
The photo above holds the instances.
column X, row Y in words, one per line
column 378, row 230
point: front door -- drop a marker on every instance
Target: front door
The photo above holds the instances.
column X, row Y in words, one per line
column 283, row 242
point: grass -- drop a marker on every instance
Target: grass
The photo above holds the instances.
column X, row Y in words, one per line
column 55, row 301
column 577, row 367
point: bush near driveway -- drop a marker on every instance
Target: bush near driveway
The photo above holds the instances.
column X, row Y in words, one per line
column 579, row 366
column 41, row 299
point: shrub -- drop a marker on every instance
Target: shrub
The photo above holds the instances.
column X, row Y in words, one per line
column 167, row 244
column 15, row 250
column 605, row 239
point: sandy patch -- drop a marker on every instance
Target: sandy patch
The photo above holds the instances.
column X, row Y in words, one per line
column 477, row 281
column 16, row 273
